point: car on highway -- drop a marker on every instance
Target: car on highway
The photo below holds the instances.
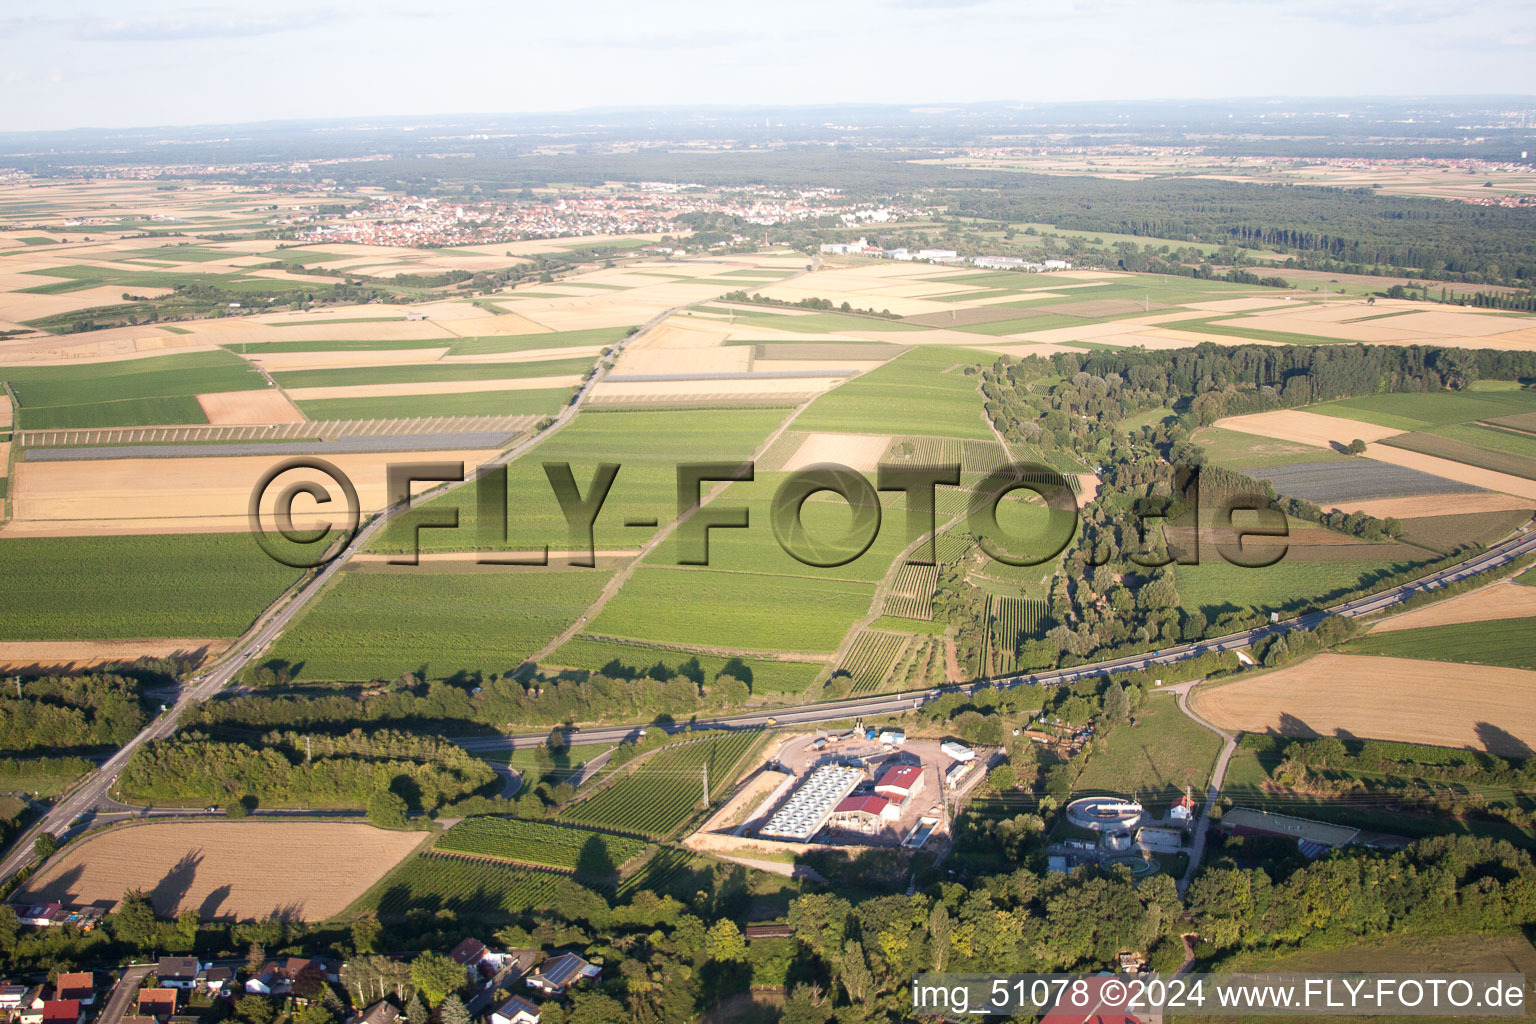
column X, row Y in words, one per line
column 772, row 721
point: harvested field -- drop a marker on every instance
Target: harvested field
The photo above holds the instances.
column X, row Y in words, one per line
column 269, row 406
column 1438, row 703
column 738, row 387
column 859, row 452
column 5, row 411
column 1306, row 427
column 227, row 869
column 1503, row 600
column 77, row 654
column 1437, row 504
column 190, row 495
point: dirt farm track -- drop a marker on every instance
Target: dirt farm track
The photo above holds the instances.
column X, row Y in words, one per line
column 1434, row 702
column 294, row 870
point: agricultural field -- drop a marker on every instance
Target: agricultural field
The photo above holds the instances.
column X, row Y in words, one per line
column 647, row 446
column 464, row 886
column 736, row 611
column 1012, row 619
column 534, row 842
column 226, row 869
column 135, row 392
column 417, row 373
column 1250, row 452
column 1388, row 698
column 1288, row 586
column 870, row 660
column 658, row 795
column 1474, row 446
column 521, row 402
column 119, row 588
column 911, row 594
column 1161, row 753
column 1505, row 641
column 925, row 391
column 440, row 617
column 616, row 657
column 1408, row 413
column 921, row 663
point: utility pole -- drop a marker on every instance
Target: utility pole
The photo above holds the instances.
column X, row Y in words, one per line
column 705, row 770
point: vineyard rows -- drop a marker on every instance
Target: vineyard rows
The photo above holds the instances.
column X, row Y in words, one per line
column 925, row 451
column 535, row 842
column 1011, row 618
column 660, row 794
column 661, row 869
column 870, row 660
column 443, row 882
column 911, row 596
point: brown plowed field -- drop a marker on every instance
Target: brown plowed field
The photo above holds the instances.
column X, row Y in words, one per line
column 1506, row 600
column 293, row 870
column 1439, row 703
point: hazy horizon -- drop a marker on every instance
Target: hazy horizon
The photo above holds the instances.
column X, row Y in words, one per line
column 81, row 64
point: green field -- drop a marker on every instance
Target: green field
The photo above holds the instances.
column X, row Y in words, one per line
column 1427, row 411
column 924, row 391
column 536, row 842
column 107, row 588
column 1215, row 587
column 1157, row 757
column 528, row 342
column 444, row 619
column 766, row 676
column 1505, row 642
column 666, row 789
column 357, row 345
column 647, row 445
column 410, row 373
column 133, row 392
column 737, row 611
column 532, row 402
column 1236, row 450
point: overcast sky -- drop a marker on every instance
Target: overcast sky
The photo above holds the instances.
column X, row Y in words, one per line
column 105, row 63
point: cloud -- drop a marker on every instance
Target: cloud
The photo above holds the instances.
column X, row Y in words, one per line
column 197, row 24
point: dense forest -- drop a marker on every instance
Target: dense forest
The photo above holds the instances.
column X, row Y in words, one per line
column 306, row 770
column 55, row 715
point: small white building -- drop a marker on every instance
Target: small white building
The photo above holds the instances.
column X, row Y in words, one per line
column 957, row 773
column 937, row 254
column 957, row 751
column 1057, row 265
column 895, row 737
